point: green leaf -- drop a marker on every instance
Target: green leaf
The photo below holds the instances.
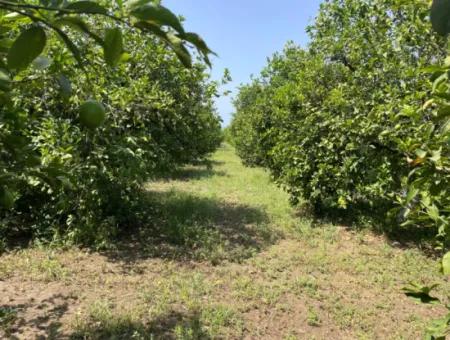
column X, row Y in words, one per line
column 113, row 47
column 5, row 82
column 88, row 7
column 155, row 29
column 198, row 42
column 421, row 293
column 439, row 81
column 6, row 198
column 173, row 41
column 159, row 15
column 436, row 156
column 27, row 47
column 412, row 193
column 66, row 182
column 421, row 153
column 71, row 46
column 446, row 264
column 444, row 111
column 133, row 4
column 177, row 46
column 433, row 212
column 438, row 329
column 119, row 3
column 440, row 16
column 5, row 45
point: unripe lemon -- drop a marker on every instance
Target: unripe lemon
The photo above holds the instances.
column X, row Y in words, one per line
column 92, row 114
column 6, row 198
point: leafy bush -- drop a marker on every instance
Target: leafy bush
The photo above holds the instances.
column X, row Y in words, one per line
column 64, row 176
column 339, row 123
column 427, row 201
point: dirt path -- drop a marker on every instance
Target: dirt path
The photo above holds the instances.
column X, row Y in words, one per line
column 225, row 257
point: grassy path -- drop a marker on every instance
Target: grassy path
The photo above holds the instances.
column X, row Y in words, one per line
column 227, row 257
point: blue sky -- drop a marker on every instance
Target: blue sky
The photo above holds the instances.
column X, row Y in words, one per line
column 244, row 33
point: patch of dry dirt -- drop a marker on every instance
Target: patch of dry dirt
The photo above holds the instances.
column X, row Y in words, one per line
column 348, row 287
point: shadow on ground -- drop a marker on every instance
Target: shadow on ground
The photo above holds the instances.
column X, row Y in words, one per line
column 189, row 173
column 45, row 317
column 185, row 227
column 363, row 216
column 173, row 325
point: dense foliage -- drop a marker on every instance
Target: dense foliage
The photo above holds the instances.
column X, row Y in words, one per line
column 347, row 123
column 361, row 119
column 94, row 101
column 428, row 179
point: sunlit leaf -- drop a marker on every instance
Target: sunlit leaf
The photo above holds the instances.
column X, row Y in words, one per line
column 88, row 7
column 421, row 293
column 421, row 153
column 433, row 212
column 412, row 193
column 446, row 264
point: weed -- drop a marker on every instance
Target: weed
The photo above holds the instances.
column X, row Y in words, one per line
column 305, row 285
column 313, row 318
column 8, row 316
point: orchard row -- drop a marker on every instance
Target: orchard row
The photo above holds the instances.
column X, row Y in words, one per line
column 357, row 123
column 95, row 100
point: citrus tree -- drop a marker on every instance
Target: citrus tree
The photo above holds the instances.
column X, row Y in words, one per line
column 96, row 97
column 336, row 122
column 429, row 181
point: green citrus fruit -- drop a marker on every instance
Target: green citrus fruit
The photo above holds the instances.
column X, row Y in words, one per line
column 6, row 198
column 92, row 114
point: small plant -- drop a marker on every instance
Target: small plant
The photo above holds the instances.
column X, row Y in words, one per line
column 313, row 318
column 306, row 285
column 8, row 316
column 438, row 329
column 50, row 270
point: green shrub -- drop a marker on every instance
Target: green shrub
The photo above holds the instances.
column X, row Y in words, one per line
column 63, row 179
column 338, row 123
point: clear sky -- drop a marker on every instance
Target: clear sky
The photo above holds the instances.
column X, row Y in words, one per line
column 244, row 33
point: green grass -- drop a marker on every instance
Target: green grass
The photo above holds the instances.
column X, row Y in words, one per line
column 221, row 213
column 227, row 257
column 38, row 265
